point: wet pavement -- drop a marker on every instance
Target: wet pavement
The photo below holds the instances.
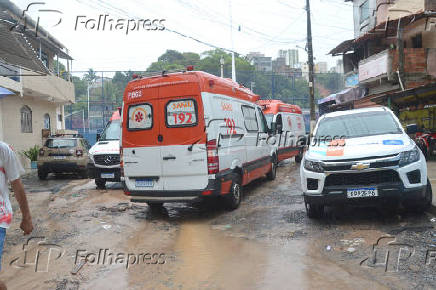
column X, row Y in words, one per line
column 267, row 243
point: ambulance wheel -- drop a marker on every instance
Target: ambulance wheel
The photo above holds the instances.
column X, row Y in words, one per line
column 101, row 183
column 299, row 157
column 314, row 211
column 84, row 174
column 155, row 205
column 273, row 173
column 233, row 199
column 42, row 174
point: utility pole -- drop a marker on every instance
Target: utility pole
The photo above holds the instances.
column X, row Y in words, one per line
column 222, row 66
column 231, row 40
column 310, row 63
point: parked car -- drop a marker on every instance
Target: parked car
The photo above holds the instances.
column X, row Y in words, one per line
column 104, row 156
column 192, row 135
column 373, row 161
column 63, row 153
column 287, row 122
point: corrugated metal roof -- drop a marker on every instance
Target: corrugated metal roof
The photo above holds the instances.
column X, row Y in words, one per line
column 344, row 47
column 16, row 50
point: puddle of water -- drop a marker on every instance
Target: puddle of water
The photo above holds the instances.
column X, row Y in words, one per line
column 210, row 259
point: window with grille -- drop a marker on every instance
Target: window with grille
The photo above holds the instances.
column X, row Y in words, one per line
column 26, row 119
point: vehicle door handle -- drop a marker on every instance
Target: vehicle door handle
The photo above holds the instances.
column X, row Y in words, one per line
column 169, row 157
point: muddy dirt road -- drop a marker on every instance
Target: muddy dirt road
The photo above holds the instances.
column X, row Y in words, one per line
column 95, row 239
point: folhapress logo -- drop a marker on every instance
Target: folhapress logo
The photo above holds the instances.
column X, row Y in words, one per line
column 38, row 254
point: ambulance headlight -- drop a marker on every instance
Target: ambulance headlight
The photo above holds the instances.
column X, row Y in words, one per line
column 408, row 157
column 313, row 166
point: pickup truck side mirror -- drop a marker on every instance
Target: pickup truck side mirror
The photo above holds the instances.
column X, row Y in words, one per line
column 411, row 129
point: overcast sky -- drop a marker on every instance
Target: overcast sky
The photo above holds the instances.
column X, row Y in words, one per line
column 258, row 25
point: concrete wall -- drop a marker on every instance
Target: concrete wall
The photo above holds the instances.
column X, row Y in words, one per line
column 11, row 121
column 10, row 84
column 403, row 8
column 49, row 86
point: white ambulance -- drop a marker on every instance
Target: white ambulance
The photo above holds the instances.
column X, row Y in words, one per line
column 191, row 135
column 104, row 163
column 287, row 122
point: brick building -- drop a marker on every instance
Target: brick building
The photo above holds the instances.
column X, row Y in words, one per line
column 393, row 56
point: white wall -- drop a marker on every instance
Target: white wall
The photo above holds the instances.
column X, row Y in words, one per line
column 11, row 119
column 1, row 120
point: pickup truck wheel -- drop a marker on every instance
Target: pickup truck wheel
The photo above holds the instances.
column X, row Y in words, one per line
column 273, row 173
column 42, row 174
column 314, row 211
column 233, row 198
column 425, row 203
column 101, row 183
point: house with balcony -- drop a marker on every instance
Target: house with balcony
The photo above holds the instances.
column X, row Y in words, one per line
column 393, row 55
column 34, row 86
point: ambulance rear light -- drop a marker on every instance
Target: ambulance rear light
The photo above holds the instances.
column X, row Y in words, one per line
column 127, row 192
column 134, row 76
column 212, row 156
column 207, row 192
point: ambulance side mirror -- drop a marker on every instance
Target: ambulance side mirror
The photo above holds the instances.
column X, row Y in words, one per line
column 273, row 129
column 97, row 137
column 279, row 128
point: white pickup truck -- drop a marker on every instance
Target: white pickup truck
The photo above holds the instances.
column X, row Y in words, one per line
column 363, row 156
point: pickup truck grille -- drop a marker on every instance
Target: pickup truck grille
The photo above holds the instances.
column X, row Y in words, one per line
column 363, row 178
column 107, row 159
column 376, row 164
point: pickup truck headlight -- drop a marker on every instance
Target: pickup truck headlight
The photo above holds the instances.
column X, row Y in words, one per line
column 313, row 166
column 408, row 157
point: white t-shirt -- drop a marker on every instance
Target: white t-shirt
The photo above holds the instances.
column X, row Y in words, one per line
column 10, row 170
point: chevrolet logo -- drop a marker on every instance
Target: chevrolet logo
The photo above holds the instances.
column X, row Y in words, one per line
column 360, row 166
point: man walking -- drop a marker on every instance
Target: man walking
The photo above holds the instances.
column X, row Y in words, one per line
column 10, row 170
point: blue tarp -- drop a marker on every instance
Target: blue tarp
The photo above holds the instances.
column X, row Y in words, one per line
column 5, row 92
column 332, row 97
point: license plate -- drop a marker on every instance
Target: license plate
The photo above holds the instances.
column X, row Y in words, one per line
column 108, row 175
column 144, row 182
column 59, row 157
column 362, row 192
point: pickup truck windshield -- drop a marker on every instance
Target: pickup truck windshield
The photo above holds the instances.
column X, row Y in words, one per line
column 358, row 125
column 112, row 131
